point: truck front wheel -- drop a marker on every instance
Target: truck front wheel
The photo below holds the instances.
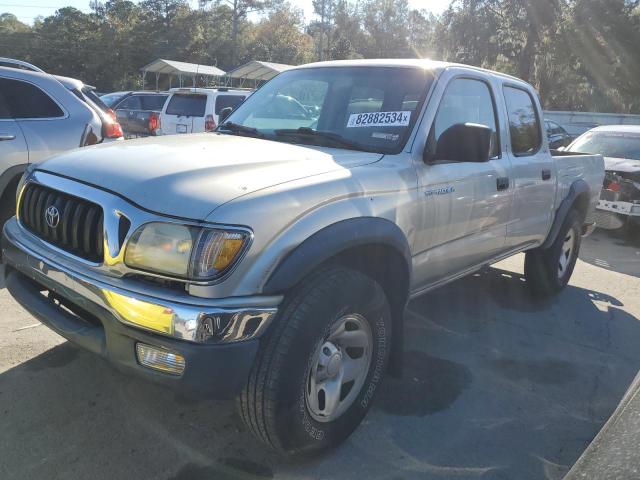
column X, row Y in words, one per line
column 548, row 270
column 321, row 363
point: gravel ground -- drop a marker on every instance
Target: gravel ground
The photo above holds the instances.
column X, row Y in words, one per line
column 497, row 386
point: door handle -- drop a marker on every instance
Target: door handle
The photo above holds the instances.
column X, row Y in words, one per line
column 502, row 183
column 4, row 138
column 546, row 174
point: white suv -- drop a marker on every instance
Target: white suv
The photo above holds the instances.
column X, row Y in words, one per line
column 195, row 110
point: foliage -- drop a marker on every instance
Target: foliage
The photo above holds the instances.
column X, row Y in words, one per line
column 579, row 54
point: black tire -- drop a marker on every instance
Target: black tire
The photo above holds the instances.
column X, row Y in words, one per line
column 541, row 266
column 273, row 403
column 8, row 203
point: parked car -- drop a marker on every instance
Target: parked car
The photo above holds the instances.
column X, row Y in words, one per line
column 556, row 135
column 41, row 115
column 194, row 110
column 137, row 112
column 273, row 263
column 575, row 129
column 619, row 204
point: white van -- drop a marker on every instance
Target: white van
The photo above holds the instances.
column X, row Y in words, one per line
column 194, row 110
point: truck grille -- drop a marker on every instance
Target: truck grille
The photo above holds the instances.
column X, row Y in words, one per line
column 68, row 222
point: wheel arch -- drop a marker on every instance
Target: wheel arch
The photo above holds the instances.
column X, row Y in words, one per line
column 578, row 198
column 374, row 246
column 10, row 176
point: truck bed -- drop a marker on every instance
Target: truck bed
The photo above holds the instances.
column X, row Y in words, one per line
column 572, row 166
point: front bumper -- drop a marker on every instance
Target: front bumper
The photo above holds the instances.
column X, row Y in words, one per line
column 83, row 311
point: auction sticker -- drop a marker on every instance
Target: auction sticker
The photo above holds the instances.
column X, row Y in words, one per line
column 379, row 119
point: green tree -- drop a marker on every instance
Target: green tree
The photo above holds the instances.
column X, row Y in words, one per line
column 279, row 38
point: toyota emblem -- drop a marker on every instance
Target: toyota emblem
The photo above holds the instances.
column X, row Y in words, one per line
column 52, row 216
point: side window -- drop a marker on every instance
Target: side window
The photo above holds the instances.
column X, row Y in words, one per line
column 4, row 109
column 224, row 101
column 131, row 103
column 466, row 101
column 153, row 102
column 524, row 124
column 25, row 100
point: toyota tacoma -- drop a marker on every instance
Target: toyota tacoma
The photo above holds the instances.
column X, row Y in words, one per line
column 271, row 261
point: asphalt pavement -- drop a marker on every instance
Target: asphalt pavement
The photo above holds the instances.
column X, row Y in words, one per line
column 497, row 386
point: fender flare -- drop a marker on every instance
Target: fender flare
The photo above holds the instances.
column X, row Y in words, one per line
column 331, row 241
column 578, row 189
column 9, row 174
column 339, row 238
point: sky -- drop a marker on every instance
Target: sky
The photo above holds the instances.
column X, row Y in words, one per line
column 27, row 10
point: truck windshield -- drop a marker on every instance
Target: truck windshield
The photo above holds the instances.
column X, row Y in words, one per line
column 363, row 108
column 609, row 144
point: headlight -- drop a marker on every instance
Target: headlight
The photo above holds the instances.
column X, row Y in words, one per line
column 22, row 182
column 184, row 251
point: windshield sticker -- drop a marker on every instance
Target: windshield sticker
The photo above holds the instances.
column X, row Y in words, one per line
column 379, row 119
column 390, row 137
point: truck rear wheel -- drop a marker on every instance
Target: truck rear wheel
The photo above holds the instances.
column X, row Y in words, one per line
column 319, row 366
column 549, row 270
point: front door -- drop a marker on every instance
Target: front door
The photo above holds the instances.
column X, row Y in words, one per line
column 465, row 204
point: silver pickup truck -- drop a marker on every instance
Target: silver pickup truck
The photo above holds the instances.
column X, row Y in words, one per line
column 271, row 261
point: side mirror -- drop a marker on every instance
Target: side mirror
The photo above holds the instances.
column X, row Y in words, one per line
column 224, row 113
column 463, row 142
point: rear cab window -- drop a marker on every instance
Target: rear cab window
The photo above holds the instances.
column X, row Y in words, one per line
column 26, row 101
column 187, row 105
column 524, row 123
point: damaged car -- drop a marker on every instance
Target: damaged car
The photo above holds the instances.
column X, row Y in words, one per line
column 619, row 205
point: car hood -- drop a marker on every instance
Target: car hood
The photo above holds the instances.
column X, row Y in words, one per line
column 190, row 176
column 623, row 165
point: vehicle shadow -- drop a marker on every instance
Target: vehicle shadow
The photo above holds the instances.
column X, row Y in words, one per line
column 497, row 385
column 612, row 250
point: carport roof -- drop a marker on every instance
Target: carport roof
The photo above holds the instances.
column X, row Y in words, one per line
column 256, row 70
column 171, row 67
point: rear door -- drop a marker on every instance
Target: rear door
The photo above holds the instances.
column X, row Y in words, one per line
column 13, row 148
column 534, row 171
column 182, row 110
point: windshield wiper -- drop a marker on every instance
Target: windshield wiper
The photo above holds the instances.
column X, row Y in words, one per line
column 319, row 134
column 240, row 129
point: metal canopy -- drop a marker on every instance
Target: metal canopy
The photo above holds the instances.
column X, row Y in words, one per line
column 179, row 69
column 258, row 71
column 171, row 67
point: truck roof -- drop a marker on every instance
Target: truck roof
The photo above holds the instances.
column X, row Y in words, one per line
column 424, row 63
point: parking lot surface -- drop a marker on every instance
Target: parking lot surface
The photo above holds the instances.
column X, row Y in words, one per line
column 497, row 386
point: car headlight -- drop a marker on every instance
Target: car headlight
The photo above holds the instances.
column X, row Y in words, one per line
column 182, row 251
column 22, row 182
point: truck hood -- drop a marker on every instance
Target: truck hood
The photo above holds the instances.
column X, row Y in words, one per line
column 190, row 176
column 623, row 165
